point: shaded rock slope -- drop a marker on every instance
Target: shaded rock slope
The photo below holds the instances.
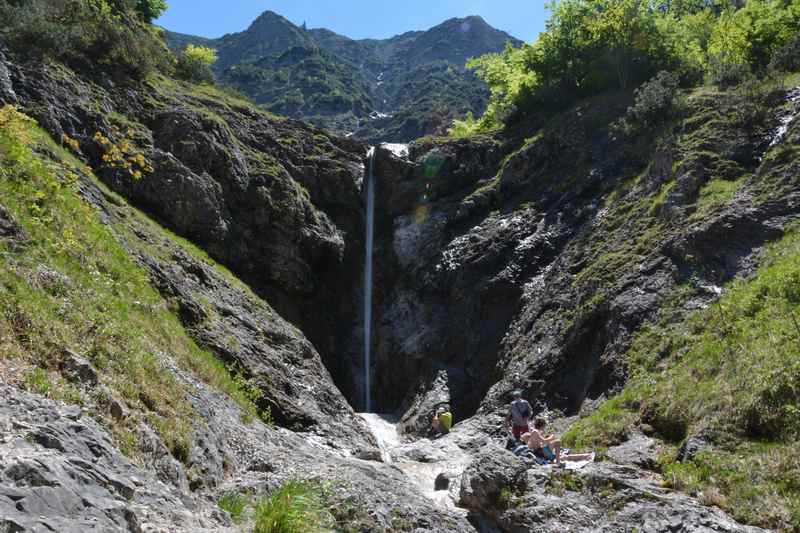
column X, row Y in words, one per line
column 275, row 200
column 530, row 265
column 392, row 90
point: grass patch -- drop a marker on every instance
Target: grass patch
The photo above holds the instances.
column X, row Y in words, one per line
column 742, row 479
column 732, row 372
column 296, row 507
column 716, row 193
column 72, row 285
column 607, row 426
column 234, row 504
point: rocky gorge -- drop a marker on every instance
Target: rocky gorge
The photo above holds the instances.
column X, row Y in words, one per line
column 529, row 260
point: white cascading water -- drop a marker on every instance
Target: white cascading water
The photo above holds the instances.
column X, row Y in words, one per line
column 783, row 127
column 369, row 185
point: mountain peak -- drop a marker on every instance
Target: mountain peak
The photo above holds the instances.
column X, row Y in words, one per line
column 268, row 19
column 470, row 25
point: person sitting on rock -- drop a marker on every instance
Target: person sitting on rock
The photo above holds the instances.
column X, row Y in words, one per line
column 442, row 421
column 519, row 415
column 548, row 446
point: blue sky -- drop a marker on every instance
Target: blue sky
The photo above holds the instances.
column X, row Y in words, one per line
column 358, row 19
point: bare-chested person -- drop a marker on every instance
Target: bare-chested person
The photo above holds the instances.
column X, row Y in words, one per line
column 548, row 446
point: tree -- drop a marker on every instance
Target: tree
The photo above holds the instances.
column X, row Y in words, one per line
column 150, row 10
column 194, row 64
column 627, row 32
column 506, row 76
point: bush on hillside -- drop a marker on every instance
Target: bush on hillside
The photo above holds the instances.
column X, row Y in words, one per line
column 787, row 57
column 149, row 10
column 726, row 74
column 86, row 34
column 749, row 105
column 194, row 64
column 593, row 46
column 656, row 101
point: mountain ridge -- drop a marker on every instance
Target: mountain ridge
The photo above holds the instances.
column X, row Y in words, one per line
column 358, row 87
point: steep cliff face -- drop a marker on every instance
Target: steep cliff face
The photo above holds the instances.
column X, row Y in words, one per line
column 275, row 200
column 531, row 265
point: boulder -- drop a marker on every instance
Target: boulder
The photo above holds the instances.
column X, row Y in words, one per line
column 639, row 450
column 10, row 230
column 499, row 486
column 694, row 444
column 78, row 370
column 491, row 476
column 422, row 403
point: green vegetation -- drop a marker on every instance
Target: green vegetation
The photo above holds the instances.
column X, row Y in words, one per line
column 149, row 10
column 302, row 80
column 195, row 62
column 234, row 504
column 593, row 46
column 72, row 286
column 113, row 35
column 729, row 372
column 296, row 507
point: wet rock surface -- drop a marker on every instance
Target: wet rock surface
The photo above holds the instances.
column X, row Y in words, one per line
column 521, row 267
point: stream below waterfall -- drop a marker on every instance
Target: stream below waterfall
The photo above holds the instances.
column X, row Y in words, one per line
column 421, row 461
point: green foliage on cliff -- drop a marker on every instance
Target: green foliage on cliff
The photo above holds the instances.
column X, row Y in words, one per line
column 195, row 62
column 149, row 10
column 70, row 285
column 731, row 373
column 592, row 46
column 112, row 35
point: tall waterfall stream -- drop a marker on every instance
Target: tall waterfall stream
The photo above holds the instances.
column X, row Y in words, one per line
column 369, row 185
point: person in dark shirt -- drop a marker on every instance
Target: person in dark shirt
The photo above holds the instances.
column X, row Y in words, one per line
column 519, row 415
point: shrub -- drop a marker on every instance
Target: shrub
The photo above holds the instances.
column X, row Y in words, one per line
column 297, row 507
column 85, row 34
column 149, row 10
column 725, row 73
column 787, row 57
column 194, row 64
column 749, row 105
column 464, row 128
column 656, row 101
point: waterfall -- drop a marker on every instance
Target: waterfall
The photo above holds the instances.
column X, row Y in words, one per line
column 369, row 185
column 785, row 121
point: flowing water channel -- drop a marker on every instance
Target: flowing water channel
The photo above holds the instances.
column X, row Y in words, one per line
column 443, row 456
